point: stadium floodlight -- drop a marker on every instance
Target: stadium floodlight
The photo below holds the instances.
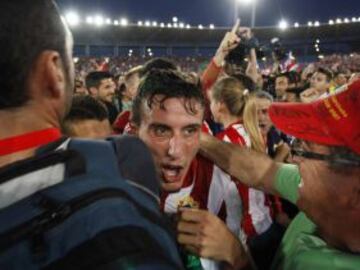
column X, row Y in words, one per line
column 162, row 25
column 147, row 24
column 317, row 24
column 150, row 54
column 321, row 56
column 200, row 27
column 317, row 41
column 245, row 2
column 310, row 24
column 188, row 26
column 331, row 22
column 175, row 19
column 317, row 49
column 169, row 25
column 72, row 18
column 338, row 21
column 175, row 25
column 296, row 25
column 130, row 51
column 181, row 25
column 283, row 25
column 89, row 20
column 98, row 20
column 211, row 26
column 75, row 59
column 116, row 22
column 108, row 21
column 353, row 19
column 359, row 19
column 154, row 24
column 124, row 22
column 149, row 49
column 346, row 20
column 140, row 23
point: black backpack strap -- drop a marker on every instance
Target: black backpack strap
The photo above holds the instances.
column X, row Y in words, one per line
column 136, row 163
column 71, row 158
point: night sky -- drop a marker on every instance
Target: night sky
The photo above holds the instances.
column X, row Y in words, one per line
column 218, row 12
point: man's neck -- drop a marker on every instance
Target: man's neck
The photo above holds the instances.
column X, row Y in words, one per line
column 18, row 122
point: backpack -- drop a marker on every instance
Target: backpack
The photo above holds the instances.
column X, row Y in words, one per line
column 94, row 218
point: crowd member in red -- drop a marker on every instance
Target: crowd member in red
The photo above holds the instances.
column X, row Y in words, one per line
column 167, row 115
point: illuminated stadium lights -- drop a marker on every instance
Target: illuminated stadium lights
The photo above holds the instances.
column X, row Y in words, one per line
column 338, row 21
column 188, row 26
column 169, row 25
column 321, row 56
column 346, row 20
column 130, row 51
column 72, row 18
column 75, row 59
column 353, row 19
column 154, row 24
column 296, row 25
column 200, row 27
column 245, row 2
column 331, row 22
column 116, row 22
column 124, row 22
column 181, row 25
column 108, row 21
column 149, row 49
column 162, row 25
column 99, row 20
column 147, row 24
column 310, row 24
column 317, row 49
column 140, row 23
column 283, row 25
column 317, row 24
column 175, row 25
column 318, row 41
column 211, row 26
column 89, row 20
column 175, row 19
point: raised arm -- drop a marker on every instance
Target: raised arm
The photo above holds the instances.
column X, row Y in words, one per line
column 253, row 169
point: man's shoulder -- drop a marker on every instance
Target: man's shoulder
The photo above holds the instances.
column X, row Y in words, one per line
column 301, row 243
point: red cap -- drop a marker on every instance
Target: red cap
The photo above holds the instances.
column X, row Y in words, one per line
column 334, row 120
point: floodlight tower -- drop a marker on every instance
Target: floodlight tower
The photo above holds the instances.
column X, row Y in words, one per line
column 246, row 3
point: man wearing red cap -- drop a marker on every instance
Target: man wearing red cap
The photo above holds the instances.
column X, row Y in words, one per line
column 324, row 183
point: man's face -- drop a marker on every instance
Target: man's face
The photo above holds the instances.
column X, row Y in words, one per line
column 340, row 80
column 90, row 129
column 320, row 83
column 132, row 85
column 172, row 133
column 262, row 107
column 281, row 85
column 106, row 90
column 324, row 197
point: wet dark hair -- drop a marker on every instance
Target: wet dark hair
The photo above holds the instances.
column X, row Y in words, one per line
column 157, row 63
column 27, row 28
column 93, row 79
column 159, row 85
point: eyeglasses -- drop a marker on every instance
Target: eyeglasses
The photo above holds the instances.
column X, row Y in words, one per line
column 337, row 159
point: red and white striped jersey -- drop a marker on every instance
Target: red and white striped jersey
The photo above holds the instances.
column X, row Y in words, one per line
column 257, row 214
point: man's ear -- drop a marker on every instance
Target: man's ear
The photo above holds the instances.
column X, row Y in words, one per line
column 93, row 91
column 49, row 75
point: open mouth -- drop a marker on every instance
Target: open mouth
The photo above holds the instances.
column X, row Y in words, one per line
column 171, row 173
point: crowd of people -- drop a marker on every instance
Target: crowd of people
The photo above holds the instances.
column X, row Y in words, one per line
column 252, row 171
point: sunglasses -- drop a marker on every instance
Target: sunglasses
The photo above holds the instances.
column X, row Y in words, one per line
column 337, row 159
